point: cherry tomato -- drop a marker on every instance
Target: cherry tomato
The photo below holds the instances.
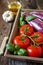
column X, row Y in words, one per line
column 26, row 29
column 38, row 37
column 22, row 41
column 34, row 51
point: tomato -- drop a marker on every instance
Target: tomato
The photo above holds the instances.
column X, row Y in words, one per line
column 22, row 41
column 34, row 51
column 26, row 29
column 38, row 37
column 42, row 49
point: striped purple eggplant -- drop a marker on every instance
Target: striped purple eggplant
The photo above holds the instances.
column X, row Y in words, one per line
column 26, row 14
column 37, row 24
column 38, row 14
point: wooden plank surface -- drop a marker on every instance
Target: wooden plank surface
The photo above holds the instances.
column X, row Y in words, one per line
column 4, row 27
column 8, row 61
column 38, row 4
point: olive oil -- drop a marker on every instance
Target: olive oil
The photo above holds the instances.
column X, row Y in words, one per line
column 14, row 6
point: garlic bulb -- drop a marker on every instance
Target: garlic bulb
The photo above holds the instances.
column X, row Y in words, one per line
column 8, row 16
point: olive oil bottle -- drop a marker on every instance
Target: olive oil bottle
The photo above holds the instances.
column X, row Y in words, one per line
column 14, row 6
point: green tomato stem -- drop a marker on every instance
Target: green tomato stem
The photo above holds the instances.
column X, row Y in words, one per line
column 30, row 39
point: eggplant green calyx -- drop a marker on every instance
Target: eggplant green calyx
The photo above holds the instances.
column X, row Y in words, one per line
column 29, row 18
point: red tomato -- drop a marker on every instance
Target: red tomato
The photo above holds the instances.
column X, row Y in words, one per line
column 26, row 29
column 34, row 51
column 38, row 37
column 42, row 49
column 22, row 41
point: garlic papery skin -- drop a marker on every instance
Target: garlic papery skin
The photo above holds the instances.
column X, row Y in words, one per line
column 8, row 16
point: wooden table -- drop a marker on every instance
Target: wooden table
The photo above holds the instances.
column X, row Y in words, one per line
column 9, row 61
